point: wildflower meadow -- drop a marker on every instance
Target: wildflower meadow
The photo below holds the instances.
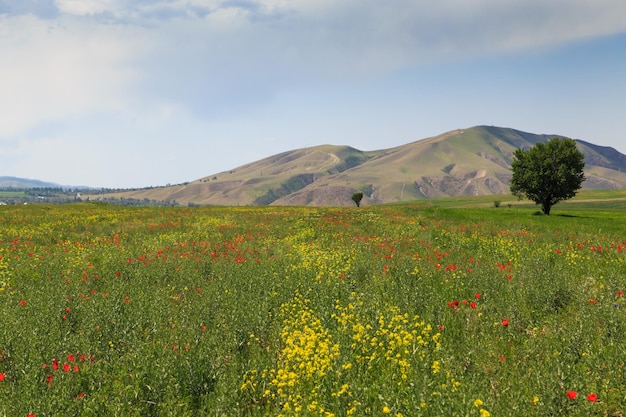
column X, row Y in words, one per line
column 400, row 310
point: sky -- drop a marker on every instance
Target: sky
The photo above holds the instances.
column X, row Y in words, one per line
column 135, row 93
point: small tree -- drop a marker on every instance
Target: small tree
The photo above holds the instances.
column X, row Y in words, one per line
column 548, row 173
column 357, row 197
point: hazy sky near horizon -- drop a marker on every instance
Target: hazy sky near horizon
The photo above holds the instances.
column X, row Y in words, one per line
column 133, row 93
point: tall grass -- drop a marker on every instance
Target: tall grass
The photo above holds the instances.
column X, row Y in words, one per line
column 401, row 310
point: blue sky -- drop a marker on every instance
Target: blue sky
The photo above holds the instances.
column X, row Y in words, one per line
column 132, row 93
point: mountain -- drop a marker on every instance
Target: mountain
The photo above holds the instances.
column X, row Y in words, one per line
column 22, row 183
column 474, row 161
column 14, row 182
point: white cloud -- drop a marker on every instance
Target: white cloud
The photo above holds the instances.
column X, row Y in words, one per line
column 89, row 7
column 55, row 70
column 496, row 26
column 367, row 37
column 243, row 51
column 145, row 59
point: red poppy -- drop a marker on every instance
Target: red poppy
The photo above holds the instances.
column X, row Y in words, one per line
column 2, row 376
column 592, row 397
column 66, row 367
column 22, row 303
column 473, row 304
column 572, row 395
column 71, row 357
column 55, row 364
column 477, row 296
column 505, row 322
column 620, row 293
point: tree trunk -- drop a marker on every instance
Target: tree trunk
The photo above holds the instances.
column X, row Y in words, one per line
column 545, row 207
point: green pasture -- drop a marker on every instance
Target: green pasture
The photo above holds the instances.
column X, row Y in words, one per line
column 437, row 308
column 585, row 199
column 12, row 194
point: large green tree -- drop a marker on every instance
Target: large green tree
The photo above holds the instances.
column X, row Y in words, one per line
column 548, row 172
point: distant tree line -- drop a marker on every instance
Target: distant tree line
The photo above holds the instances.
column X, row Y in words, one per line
column 41, row 195
column 123, row 201
column 117, row 190
column 53, row 195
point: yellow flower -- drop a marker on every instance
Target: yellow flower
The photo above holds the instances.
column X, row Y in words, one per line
column 484, row 413
column 386, row 410
column 478, row 403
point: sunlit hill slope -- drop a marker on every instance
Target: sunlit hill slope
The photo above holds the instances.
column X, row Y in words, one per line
column 465, row 162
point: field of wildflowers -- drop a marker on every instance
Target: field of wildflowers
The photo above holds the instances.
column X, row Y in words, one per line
column 407, row 310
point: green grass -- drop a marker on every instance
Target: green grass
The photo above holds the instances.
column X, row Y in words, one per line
column 593, row 200
column 12, row 194
column 413, row 309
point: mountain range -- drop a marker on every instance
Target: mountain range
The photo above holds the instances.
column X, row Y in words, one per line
column 22, row 183
column 464, row 162
column 15, row 182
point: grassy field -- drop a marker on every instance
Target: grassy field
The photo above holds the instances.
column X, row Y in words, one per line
column 403, row 310
column 585, row 200
column 12, row 194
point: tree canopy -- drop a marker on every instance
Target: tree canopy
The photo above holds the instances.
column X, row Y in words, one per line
column 357, row 197
column 548, row 172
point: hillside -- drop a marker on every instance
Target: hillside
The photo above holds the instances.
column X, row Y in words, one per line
column 26, row 183
column 15, row 182
column 466, row 162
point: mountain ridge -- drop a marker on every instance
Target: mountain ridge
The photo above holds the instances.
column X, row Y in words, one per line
column 461, row 162
column 23, row 183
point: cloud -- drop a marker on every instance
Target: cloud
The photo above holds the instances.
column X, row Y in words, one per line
column 69, row 59
column 41, row 8
column 238, row 53
column 89, row 7
column 517, row 25
column 365, row 38
column 59, row 70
